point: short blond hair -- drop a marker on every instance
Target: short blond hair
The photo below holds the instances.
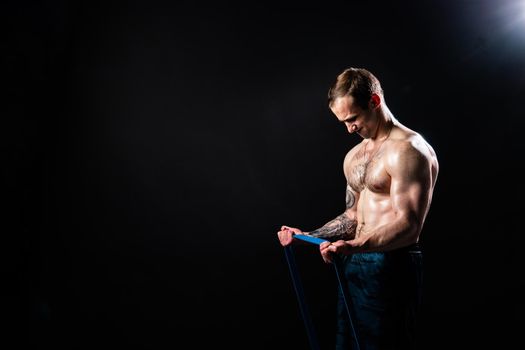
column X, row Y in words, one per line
column 356, row 82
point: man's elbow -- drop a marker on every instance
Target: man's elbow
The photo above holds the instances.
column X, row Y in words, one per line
column 411, row 228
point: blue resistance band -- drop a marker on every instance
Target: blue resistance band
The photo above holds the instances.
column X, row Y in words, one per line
column 299, row 291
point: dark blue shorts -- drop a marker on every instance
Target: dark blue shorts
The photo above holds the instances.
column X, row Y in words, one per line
column 385, row 291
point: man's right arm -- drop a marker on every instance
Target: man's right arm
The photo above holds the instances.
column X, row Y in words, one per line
column 344, row 226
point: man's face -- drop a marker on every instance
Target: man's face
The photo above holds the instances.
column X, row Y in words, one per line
column 353, row 116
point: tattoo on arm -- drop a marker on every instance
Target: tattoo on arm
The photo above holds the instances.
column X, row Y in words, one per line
column 342, row 227
column 350, row 198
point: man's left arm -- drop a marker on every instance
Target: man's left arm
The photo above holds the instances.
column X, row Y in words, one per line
column 410, row 194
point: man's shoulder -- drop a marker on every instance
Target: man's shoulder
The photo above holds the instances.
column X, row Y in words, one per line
column 411, row 146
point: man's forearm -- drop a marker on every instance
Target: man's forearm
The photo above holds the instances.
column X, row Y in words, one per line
column 342, row 227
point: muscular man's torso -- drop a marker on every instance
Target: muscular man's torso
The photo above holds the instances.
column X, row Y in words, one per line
column 365, row 169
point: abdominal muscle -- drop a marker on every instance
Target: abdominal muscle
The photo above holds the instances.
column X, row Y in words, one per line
column 373, row 210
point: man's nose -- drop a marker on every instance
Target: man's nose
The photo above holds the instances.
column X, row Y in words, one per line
column 351, row 128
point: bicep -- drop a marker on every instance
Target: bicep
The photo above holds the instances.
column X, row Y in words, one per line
column 411, row 182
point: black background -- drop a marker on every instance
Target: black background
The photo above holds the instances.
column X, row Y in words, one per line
column 155, row 148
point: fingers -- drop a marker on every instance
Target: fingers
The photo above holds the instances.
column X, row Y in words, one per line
column 293, row 229
column 343, row 247
column 285, row 237
column 324, row 245
column 286, row 234
column 327, row 249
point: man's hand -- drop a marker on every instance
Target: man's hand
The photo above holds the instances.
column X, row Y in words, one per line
column 328, row 249
column 286, row 235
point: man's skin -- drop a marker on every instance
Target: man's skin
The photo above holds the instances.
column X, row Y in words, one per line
column 390, row 178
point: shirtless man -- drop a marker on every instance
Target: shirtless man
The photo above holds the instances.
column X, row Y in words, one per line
column 390, row 178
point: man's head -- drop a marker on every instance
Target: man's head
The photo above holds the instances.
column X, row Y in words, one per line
column 358, row 83
column 355, row 98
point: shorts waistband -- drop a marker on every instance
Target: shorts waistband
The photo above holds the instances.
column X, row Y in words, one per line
column 410, row 249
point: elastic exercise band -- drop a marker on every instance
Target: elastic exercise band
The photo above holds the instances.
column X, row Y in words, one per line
column 310, row 330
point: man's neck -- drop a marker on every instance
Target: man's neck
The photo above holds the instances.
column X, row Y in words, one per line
column 385, row 123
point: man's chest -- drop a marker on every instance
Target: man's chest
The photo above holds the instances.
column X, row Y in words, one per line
column 364, row 173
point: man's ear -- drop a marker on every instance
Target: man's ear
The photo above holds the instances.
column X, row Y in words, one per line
column 375, row 101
